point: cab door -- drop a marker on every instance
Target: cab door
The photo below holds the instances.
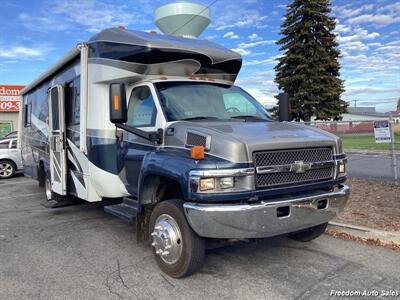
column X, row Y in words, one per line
column 57, row 140
column 142, row 113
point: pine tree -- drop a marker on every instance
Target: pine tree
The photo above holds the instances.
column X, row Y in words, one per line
column 309, row 69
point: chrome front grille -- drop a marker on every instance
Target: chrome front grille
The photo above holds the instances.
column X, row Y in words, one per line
column 295, row 166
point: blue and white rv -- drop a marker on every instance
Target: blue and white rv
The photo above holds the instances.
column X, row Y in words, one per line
column 155, row 122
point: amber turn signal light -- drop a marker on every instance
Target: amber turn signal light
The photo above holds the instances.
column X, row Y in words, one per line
column 116, row 102
column 197, row 152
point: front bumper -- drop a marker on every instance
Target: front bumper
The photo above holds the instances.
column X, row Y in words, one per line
column 261, row 220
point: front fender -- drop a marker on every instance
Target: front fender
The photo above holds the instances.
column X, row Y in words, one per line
column 174, row 164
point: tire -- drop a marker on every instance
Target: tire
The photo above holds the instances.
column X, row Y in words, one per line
column 7, row 169
column 187, row 251
column 309, row 234
column 49, row 194
column 41, row 176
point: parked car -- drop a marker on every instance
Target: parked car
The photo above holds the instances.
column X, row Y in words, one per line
column 10, row 157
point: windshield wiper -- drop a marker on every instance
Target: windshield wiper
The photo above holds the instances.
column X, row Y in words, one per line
column 246, row 117
column 198, row 118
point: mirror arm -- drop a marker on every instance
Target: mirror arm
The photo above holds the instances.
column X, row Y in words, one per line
column 150, row 136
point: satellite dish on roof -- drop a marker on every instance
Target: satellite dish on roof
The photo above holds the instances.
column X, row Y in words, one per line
column 182, row 18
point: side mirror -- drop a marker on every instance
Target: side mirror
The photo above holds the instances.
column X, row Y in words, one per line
column 118, row 107
column 285, row 113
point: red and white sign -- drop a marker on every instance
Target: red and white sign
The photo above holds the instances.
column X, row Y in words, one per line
column 10, row 98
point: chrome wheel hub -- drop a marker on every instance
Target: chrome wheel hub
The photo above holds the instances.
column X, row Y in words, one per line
column 5, row 170
column 167, row 239
column 48, row 189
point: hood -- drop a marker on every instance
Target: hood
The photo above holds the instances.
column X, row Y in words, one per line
column 236, row 141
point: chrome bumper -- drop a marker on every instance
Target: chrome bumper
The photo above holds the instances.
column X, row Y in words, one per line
column 261, row 220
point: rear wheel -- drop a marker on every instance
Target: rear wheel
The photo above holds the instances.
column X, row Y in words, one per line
column 309, row 234
column 179, row 251
column 7, row 169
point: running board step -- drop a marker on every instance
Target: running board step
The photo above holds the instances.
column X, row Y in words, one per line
column 62, row 203
column 127, row 210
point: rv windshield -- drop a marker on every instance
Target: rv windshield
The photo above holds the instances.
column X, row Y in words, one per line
column 201, row 101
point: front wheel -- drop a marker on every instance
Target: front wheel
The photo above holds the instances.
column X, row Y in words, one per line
column 309, row 234
column 179, row 251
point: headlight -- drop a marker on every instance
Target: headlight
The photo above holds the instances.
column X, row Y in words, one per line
column 207, row 184
column 221, row 180
column 226, row 182
column 341, row 168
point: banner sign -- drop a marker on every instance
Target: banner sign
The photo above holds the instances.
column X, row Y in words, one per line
column 9, row 98
column 382, row 131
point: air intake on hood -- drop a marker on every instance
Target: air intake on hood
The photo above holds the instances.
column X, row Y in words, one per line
column 195, row 139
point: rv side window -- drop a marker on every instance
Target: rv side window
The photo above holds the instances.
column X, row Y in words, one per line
column 28, row 113
column 141, row 110
column 73, row 102
column 55, row 123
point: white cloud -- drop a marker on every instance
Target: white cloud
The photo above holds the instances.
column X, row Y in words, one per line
column 260, row 84
column 93, row 15
column 378, row 19
column 254, row 37
column 231, row 35
column 358, row 35
column 370, row 90
column 235, row 15
column 241, row 51
column 356, row 45
column 21, row 52
column 350, row 11
column 385, row 63
column 340, row 28
column 96, row 15
column 392, row 9
column 42, row 23
column 270, row 60
column 261, row 96
column 254, row 44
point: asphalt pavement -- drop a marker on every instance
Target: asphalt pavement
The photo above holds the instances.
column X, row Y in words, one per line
column 79, row 252
column 371, row 166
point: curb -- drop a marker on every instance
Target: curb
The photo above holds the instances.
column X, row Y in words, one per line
column 370, row 152
column 387, row 237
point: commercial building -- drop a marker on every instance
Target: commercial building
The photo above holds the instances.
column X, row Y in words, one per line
column 9, row 108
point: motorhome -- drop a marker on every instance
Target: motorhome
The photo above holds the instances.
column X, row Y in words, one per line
column 156, row 123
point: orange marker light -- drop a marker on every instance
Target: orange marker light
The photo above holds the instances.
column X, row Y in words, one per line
column 116, row 103
column 197, row 152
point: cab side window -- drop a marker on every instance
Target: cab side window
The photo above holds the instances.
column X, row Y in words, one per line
column 141, row 109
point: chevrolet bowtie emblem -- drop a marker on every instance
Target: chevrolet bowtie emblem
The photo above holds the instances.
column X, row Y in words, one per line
column 300, row 166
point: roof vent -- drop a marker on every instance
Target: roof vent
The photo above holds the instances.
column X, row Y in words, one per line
column 182, row 19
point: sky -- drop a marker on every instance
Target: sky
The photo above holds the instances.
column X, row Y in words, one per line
column 35, row 34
